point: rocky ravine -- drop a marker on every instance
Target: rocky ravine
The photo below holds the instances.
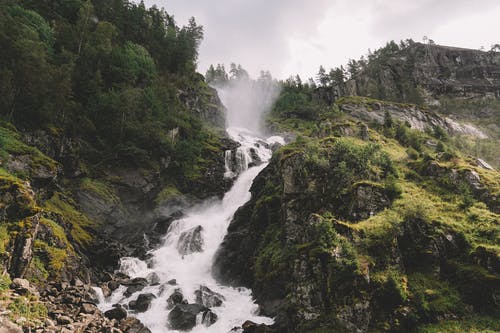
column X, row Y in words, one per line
column 64, row 227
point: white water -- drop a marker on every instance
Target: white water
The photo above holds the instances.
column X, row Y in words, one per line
column 195, row 269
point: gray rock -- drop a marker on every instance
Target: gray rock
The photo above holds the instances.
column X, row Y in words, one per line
column 176, row 298
column 191, row 241
column 142, row 303
column 209, row 318
column 205, row 296
column 134, row 285
column 183, row 316
column 153, row 279
column 117, row 313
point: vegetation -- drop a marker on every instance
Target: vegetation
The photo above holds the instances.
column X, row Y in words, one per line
column 103, row 73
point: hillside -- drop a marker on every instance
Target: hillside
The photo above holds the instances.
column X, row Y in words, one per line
column 380, row 214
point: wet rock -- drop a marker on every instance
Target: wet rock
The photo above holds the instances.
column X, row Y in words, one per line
column 205, row 296
column 153, row 279
column 113, row 285
column 251, row 327
column 183, row 316
column 142, row 303
column 256, row 160
column 191, row 241
column 209, row 318
column 161, row 225
column 176, row 298
column 117, row 313
column 134, row 285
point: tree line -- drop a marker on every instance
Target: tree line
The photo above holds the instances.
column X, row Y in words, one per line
column 106, row 72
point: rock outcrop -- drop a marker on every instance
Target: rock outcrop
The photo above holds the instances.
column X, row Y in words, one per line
column 325, row 245
column 437, row 69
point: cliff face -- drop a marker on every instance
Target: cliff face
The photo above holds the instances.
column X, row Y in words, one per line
column 344, row 235
column 438, row 70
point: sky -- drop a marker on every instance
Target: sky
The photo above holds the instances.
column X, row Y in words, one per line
column 289, row 37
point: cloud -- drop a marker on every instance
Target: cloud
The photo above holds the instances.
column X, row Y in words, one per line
column 423, row 16
column 254, row 33
column 296, row 36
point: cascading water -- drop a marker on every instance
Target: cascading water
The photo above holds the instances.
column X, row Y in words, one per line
column 179, row 271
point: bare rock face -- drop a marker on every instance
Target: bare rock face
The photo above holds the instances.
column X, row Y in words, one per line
column 417, row 117
column 437, row 69
column 191, row 241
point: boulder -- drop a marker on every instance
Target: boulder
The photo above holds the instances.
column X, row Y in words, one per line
column 191, row 241
column 142, row 303
column 134, row 285
column 205, row 296
column 117, row 313
column 208, row 318
column 251, row 327
column 183, row 316
column 22, row 286
column 153, row 279
column 176, row 298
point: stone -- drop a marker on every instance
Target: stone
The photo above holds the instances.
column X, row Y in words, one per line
column 117, row 313
column 205, row 296
column 183, row 316
column 176, row 298
column 113, row 285
column 209, row 318
column 133, row 325
column 88, row 308
column 6, row 326
column 142, row 303
column 251, row 327
column 64, row 320
column 191, row 241
column 134, row 286
column 172, row 282
column 153, row 279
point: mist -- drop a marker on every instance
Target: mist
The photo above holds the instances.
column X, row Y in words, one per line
column 248, row 101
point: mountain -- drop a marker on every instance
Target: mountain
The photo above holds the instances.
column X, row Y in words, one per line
column 381, row 212
column 375, row 218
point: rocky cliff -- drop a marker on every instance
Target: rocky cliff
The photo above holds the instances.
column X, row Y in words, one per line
column 436, row 69
column 347, row 235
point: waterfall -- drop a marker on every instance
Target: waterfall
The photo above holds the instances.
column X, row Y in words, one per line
column 185, row 295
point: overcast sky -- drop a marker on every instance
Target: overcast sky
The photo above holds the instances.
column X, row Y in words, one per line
column 296, row 36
